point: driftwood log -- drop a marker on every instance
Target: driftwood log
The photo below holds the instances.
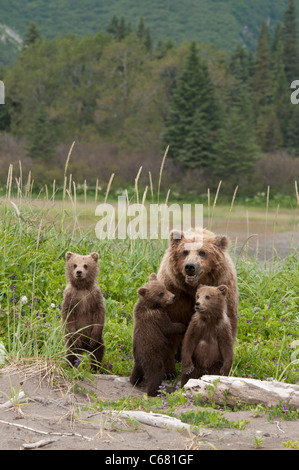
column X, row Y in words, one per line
column 234, row 390
column 151, row 419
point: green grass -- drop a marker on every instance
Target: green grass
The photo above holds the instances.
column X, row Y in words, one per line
column 32, row 265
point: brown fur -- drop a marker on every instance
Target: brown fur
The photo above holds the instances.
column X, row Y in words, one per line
column 152, row 327
column 212, row 266
column 83, row 311
column 208, row 343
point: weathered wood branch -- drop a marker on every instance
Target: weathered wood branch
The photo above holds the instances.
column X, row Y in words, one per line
column 152, row 419
column 233, row 390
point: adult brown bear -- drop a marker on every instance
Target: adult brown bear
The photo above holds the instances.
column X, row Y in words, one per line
column 197, row 256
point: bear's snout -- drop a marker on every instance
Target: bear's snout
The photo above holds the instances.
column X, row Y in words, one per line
column 192, row 272
column 190, row 268
column 78, row 273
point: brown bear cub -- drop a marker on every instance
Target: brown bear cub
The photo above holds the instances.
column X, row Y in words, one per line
column 152, row 327
column 208, row 343
column 83, row 311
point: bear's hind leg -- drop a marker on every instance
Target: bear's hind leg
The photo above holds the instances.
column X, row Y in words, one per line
column 137, row 374
column 97, row 356
column 155, row 377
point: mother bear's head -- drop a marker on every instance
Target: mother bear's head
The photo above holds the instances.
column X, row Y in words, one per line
column 197, row 254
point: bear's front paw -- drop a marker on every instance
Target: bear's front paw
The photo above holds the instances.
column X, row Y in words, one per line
column 224, row 370
column 188, row 368
column 170, row 375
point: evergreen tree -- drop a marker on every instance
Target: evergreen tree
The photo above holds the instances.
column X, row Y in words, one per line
column 239, row 64
column 144, row 35
column 193, row 110
column 41, row 141
column 31, row 36
column 292, row 139
column 119, row 28
column 290, row 42
column 236, row 149
column 113, row 26
column 122, row 29
column 280, row 90
column 261, row 84
column 141, row 29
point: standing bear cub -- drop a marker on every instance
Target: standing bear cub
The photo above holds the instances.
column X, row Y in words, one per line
column 152, row 328
column 208, row 343
column 83, row 311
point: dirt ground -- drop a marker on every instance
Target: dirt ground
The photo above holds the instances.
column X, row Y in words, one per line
column 64, row 420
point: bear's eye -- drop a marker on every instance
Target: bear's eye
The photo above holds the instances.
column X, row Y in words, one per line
column 85, row 266
column 75, row 266
column 185, row 252
column 207, row 297
column 202, row 253
column 161, row 294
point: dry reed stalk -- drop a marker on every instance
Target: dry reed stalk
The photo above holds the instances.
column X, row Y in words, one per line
column 136, row 184
column 28, row 184
column 296, row 191
column 231, row 208
column 274, row 228
column 38, row 235
column 144, row 195
column 68, row 157
column 96, row 191
column 66, row 167
column 21, row 176
column 47, row 194
column 85, row 191
column 161, row 171
column 214, row 203
column 75, row 194
column 18, row 185
column 209, row 204
column 9, row 181
column 64, row 187
column 151, row 184
column 74, row 203
column 70, row 183
column 266, row 222
column 53, row 191
column 108, row 187
column 167, row 196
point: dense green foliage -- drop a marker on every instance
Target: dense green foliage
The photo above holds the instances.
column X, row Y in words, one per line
column 125, row 97
column 218, row 112
column 213, row 21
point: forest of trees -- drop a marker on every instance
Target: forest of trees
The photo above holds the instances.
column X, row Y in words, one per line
column 124, row 98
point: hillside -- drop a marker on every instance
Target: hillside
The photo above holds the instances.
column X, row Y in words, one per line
column 222, row 22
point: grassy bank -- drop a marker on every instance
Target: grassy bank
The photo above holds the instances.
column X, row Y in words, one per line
column 35, row 235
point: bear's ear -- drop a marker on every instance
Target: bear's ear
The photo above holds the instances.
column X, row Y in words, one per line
column 68, row 255
column 175, row 236
column 142, row 291
column 153, row 277
column 221, row 241
column 94, row 256
column 223, row 289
